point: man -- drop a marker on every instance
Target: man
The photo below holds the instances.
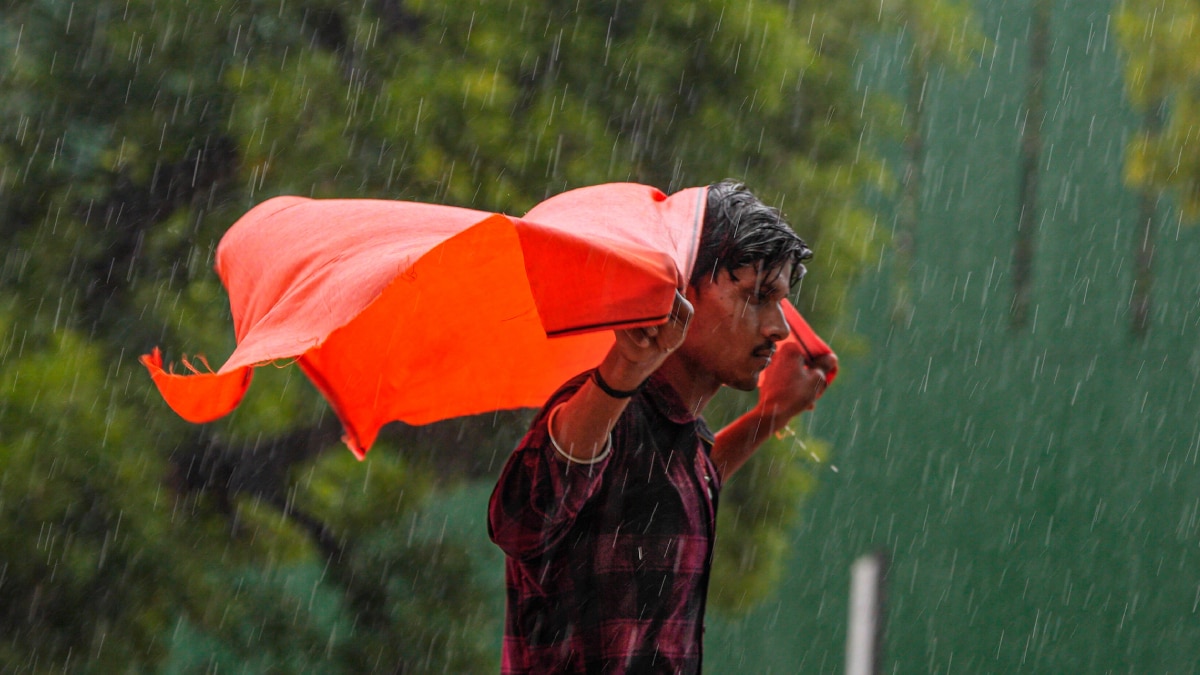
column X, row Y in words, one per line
column 606, row 510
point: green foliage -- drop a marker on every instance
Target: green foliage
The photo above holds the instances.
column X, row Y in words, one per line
column 1162, row 69
column 90, row 535
column 382, row 595
column 354, row 497
column 133, row 132
column 411, row 596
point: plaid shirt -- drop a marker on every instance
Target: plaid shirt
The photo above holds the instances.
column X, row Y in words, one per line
column 607, row 564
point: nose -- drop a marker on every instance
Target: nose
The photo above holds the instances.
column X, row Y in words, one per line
column 775, row 325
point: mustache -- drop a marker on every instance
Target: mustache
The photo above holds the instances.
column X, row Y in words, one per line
column 767, row 349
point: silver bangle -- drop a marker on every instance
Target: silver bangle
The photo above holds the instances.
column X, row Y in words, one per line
column 563, row 453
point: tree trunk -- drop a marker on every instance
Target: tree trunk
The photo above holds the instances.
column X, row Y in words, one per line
column 909, row 208
column 1140, row 300
column 1031, row 151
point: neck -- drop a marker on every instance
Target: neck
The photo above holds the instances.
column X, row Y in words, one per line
column 694, row 386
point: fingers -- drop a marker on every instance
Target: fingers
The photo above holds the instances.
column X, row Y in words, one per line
column 654, row 341
column 671, row 333
column 821, row 382
column 827, row 363
column 640, row 337
column 791, row 351
column 681, row 311
column 789, row 385
column 817, row 382
column 653, row 336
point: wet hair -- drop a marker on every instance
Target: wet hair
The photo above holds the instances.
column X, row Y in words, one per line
column 740, row 230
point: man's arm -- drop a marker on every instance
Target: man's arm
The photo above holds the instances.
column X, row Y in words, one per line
column 789, row 387
column 561, row 461
column 581, row 425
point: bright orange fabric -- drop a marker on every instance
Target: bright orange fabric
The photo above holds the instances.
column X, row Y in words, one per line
column 421, row 312
column 810, row 343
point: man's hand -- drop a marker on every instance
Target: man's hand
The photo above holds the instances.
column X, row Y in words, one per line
column 789, row 386
column 640, row 351
column 582, row 424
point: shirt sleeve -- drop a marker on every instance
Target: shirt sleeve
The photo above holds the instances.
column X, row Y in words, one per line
column 539, row 493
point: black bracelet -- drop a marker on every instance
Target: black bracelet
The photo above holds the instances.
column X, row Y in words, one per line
column 607, row 388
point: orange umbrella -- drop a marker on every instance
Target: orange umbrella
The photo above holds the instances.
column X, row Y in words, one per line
column 421, row 312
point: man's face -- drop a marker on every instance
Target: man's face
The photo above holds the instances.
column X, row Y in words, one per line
column 738, row 319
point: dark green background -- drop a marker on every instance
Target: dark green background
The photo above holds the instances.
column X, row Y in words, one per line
column 1039, row 489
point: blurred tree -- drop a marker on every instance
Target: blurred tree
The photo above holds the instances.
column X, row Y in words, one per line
column 118, row 177
column 133, row 132
column 1029, row 217
column 79, row 537
column 1162, row 79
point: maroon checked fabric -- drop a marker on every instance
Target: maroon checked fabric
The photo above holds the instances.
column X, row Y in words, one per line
column 607, row 565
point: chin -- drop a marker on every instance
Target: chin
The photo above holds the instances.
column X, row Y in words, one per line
column 744, row 385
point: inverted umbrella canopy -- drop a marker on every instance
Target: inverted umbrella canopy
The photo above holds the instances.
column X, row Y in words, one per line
column 421, row 312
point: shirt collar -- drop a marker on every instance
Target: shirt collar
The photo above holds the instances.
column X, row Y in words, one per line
column 666, row 400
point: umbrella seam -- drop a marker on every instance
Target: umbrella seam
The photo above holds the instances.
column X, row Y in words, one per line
column 606, row 324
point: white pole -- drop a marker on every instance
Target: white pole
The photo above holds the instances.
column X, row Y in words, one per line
column 864, row 639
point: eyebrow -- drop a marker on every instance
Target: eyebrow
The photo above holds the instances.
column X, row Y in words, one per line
column 777, row 283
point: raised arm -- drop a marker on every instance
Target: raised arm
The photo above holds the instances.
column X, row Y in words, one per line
column 581, row 425
column 561, row 461
column 789, row 387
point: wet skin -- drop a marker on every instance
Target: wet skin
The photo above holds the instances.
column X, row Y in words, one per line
column 737, row 320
